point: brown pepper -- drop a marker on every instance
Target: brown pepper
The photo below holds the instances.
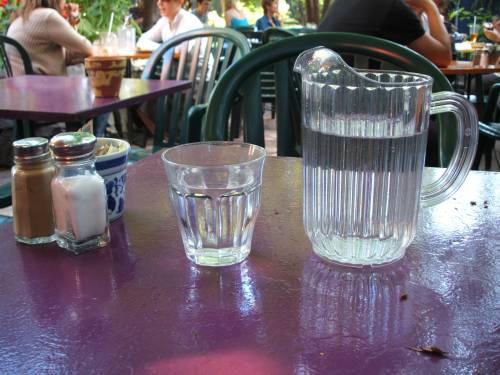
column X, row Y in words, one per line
column 31, row 193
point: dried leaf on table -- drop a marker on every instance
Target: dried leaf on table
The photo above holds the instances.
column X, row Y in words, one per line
column 430, row 350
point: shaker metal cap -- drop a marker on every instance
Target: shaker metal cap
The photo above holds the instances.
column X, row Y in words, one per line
column 72, row 146
column 30, row 147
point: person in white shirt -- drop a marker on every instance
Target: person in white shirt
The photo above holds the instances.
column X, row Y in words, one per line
column 174, row 20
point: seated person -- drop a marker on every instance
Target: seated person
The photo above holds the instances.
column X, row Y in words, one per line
column 174, row 20
column 393, row 20
column 233, row 16
column 268, row 20
column 46, row 31
column 201, row 10
column 51, row 42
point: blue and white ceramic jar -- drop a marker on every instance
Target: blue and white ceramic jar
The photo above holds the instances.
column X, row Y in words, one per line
column 113, row 169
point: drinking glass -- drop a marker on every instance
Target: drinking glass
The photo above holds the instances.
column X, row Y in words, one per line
column 473, row 32
column 126, row 40
column 364, row 142
column 109, row 43
column 215, row 190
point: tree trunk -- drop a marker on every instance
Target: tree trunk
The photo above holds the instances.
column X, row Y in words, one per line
column 148, row 7
column 312, row 11
column 326, row 4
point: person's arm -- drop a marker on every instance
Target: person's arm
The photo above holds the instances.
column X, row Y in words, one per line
column 435, row 44
column 152, row 39
column 61, row 32
column 227, row 17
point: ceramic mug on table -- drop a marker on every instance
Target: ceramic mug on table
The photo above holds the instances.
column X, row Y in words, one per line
column 364, row 142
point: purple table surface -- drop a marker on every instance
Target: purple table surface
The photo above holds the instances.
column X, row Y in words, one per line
column 140, row 307
column 70, row 98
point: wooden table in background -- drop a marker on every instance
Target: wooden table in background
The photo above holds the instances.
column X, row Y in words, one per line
column 466, row 67
column 470, row 71
column 139, row 306
column 138, row 55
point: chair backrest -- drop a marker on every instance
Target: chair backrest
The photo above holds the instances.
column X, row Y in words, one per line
column 200, row 56
column 366, row 50
column 253, row 36
column 273, row 34
column 10, row 49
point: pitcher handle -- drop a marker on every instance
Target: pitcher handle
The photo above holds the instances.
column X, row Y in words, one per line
column 465, row 150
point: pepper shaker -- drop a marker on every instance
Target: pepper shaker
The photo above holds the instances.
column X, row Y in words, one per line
column 31, row 193
column 79, row 194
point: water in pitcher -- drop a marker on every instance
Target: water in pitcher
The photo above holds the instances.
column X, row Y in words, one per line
column 361, row 194
column 364, row 142
column 217, row 224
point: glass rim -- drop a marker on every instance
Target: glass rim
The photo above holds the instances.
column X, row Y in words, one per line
column 261, row 150
column 425, row 79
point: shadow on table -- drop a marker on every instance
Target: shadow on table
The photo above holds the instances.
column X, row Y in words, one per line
column 346, row 312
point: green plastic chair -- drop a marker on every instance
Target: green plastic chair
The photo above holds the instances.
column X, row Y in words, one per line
column 253, row 36
column 276, row 33
column 17, row 51
column 22, row 128
column 9, row 43
column 366, row 51
column 200, row 56
column 489, row 128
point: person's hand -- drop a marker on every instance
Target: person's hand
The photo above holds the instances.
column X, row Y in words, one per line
column 493, row 33
column 496, row 25
column 71, row 12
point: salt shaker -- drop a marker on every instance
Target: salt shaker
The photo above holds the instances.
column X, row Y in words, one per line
column 31, row 194
column 79, row 194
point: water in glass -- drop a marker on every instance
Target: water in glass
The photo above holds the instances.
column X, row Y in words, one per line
column 216, row 224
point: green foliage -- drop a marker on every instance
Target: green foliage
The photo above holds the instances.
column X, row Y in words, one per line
column 6, row 10
column 481, row 9
column 96, row 14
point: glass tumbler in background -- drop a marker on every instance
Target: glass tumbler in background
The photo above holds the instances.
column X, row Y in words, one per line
column 473, row 32
column 108, row 43
column 215, row 190
column 126, row 40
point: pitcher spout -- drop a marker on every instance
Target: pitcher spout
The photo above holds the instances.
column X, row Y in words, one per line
column 322, row 65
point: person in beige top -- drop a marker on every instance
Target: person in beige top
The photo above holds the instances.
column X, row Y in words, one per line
column 51, row 42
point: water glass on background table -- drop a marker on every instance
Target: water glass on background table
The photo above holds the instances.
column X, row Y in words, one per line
column 364, row 141
column 108, row 42
column 473, row 32
column 126, row 40
column 215, row 190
